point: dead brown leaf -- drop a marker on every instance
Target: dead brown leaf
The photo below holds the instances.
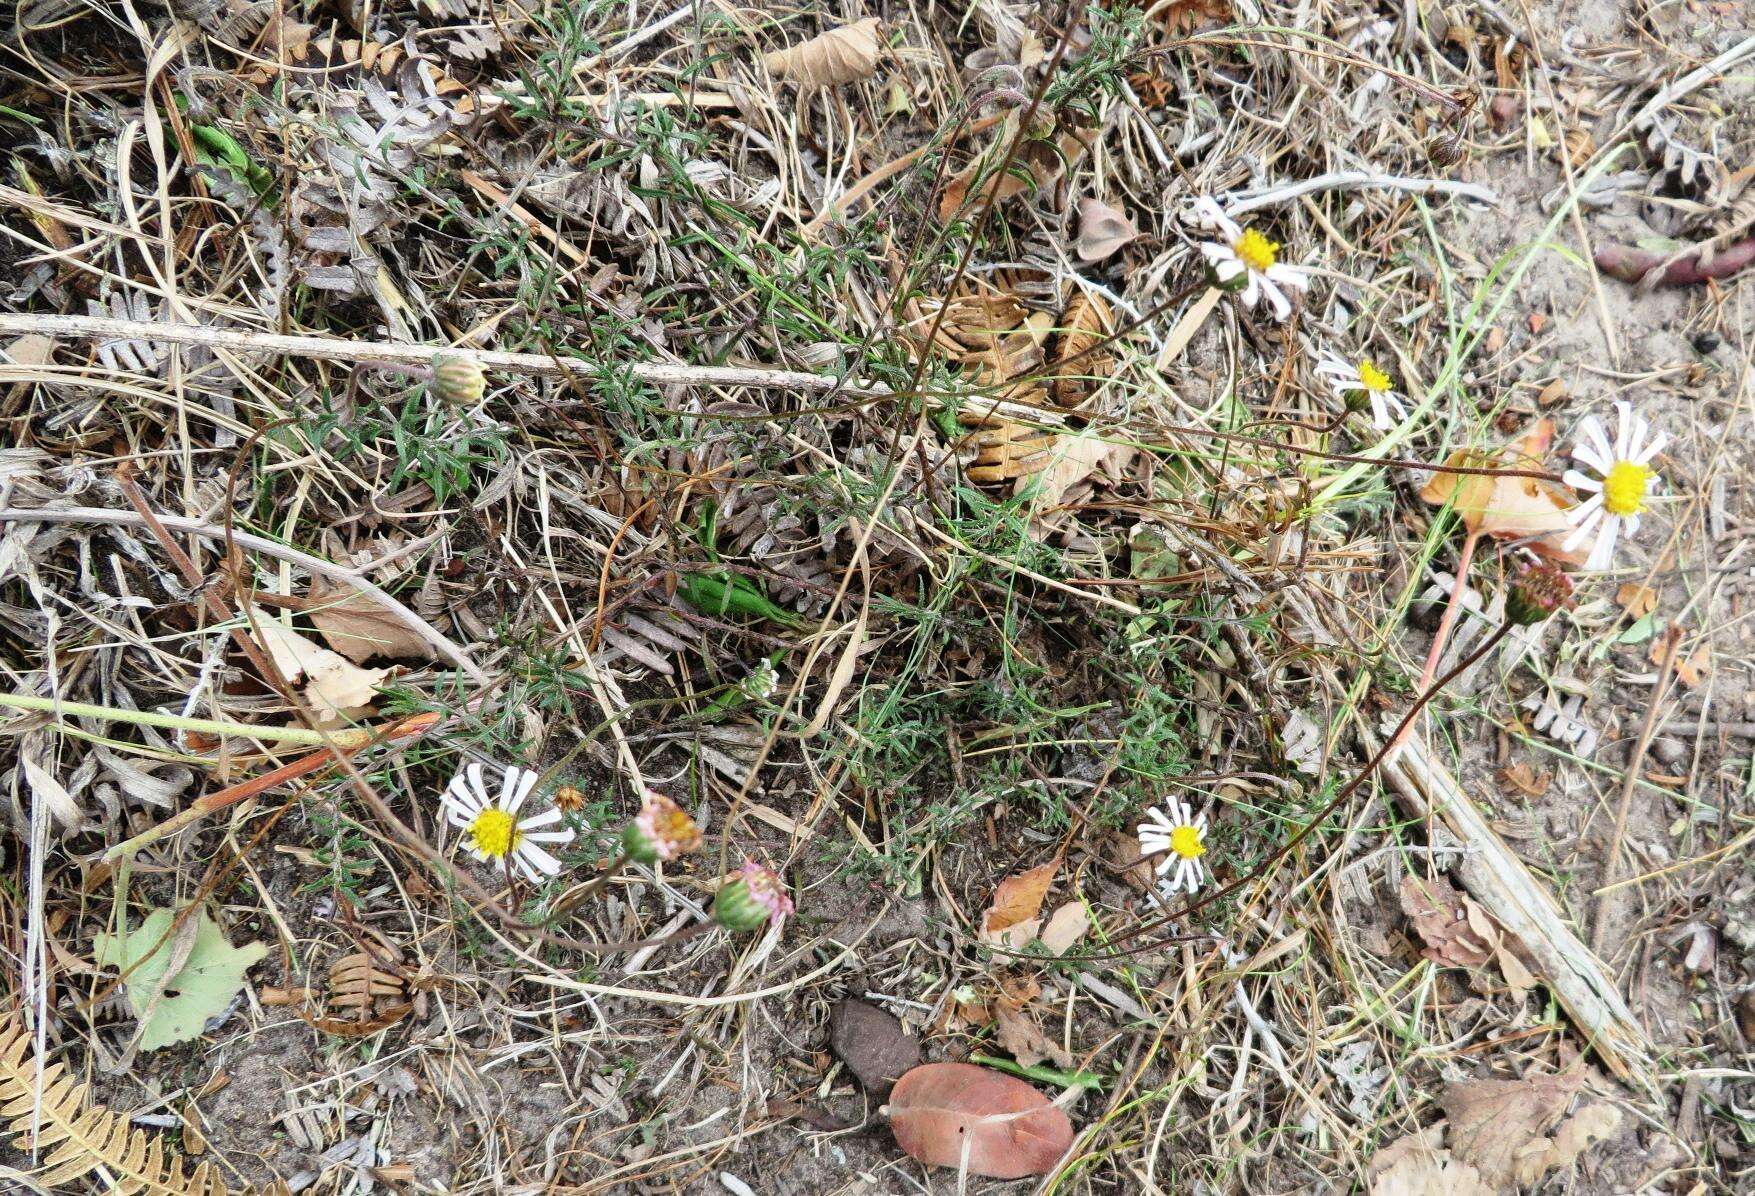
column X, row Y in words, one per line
column 832, row 58
column 1041, row 161
column 1440, row 914
column 1017, row 1032
column 1525, row 779
column 1187, row 16
column 1593, row 1123
column 1079, row 366
column 335, row 687
column 1637, row 600
column 1065, row 927
column 1432, row 1175
column 1103, row 230
column 1015, row 914
column 1690, row 670
column 359, row 628
column 1509, row 508
column 1495, row 1124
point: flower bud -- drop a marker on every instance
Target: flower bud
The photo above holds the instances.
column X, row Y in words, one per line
column 457, row 380
column 1237, row 282
column 1537, row 590
column 752, row 899
column 662, row 830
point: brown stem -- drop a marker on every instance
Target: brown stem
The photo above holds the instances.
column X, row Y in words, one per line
column 593, row 887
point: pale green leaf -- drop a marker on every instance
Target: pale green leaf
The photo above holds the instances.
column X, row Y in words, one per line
column 173, row 1009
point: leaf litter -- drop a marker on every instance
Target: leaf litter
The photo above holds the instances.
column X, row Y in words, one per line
column 901, row 611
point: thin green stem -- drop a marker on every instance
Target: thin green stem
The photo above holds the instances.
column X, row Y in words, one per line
column 176, row 722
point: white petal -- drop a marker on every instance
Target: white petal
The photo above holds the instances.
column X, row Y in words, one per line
column 1586, row 453
column 537, row 862
column 1632, row 522
column 1157, row 818
column 460, row 804
column 1591, row 428
column 1652, row 448
column 477, row 783
column 1276, row 298
column 1288, row 276
column 1251, row 291
column 1623, row 428
column 1380, row 413
column 1603, row 553
column 543, row 819
column 1581, row 481
column 518, row 784
column 1200, row 824
column 565, row 836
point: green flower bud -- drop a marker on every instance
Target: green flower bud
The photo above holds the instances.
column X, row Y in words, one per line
column 752, row 899
column 457, row 380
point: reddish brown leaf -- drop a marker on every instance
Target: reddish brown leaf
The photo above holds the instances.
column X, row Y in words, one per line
column 1631, row 264
column 949, row 1114
column 1015, row 914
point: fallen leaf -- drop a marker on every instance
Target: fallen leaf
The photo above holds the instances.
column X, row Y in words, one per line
column 1525, row 779
column 1436, row 1175
column 334, row 686
column 831, row 58
column 960, row 1115
column 1066, row 926
column 1072, row 459
column 46, row 789
column 1552, row 393
column 1440, row 915
column 1421, row 1144
column 873, row 1044
column 1494, row 1123
column 1593, row 1123
column 1509, row 508
column 1690, row 670
column 1186, row 16
column 360, row 628
column 1102, row 230
column 175, row 1000
column 1038, row 163
column 1020, row 1036
column 1637, row 600
column 1013, row 916
column 1079, row 366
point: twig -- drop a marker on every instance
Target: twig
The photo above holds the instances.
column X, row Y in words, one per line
column 1253, row 199
column 335, row 349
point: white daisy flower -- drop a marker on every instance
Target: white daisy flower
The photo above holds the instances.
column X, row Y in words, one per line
column 1625, row 480
column 492, row 829
column 1360, row 382
column 1181, row 837
column 1246, row 262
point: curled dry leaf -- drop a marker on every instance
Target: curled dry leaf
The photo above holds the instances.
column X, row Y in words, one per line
column 1431, row 1175
column 1079, row 366
column 1593, row 1123
column 1038, row 163
column 1102, row 230
column 1005, row 451
column 1065, row 927
column 1509, row 508
column 1495, row 1123
column 1015, row 914
column 843, row 55
column 359, row 628
column 1459, row 932
column 335, row 687
column 960, row 1115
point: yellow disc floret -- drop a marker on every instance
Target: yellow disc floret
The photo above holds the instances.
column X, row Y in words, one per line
column 1625, row 488
column 1185, row 842
column 495, row 832
column 1372, row 378
column 1256, row 251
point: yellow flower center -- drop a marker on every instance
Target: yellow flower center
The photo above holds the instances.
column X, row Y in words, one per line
column 1625, row 488
column 1256, row 251
column 1372, row 378
column 495, row 832
column 1185, row 842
